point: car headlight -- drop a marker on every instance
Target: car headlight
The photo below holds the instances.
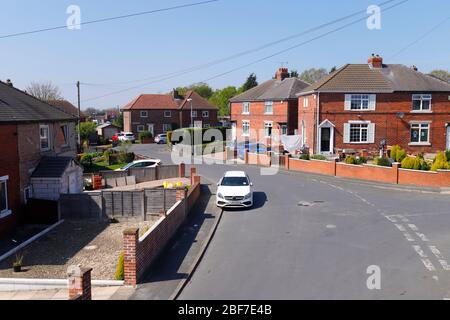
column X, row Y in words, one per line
column 220, row 196
column 249, row 196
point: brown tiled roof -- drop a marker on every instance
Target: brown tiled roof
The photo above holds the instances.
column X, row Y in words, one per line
column 67, row 107
column 18, row 106
column 361, row 78
column 273, row 90
column 167, row 102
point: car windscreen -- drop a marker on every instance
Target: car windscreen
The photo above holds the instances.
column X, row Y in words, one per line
column 235, row 182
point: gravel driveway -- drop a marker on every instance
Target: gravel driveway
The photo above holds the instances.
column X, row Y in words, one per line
column 91, row 244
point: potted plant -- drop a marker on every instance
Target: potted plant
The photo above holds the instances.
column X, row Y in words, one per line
column 18, row 263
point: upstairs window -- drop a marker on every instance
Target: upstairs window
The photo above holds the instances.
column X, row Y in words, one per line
column 305, row 102
column 194, row 114
column 4, row 210
column 167, row 114
column 268, row 107
column 205, row 114
column 44, row 132
column 422, row 102
column 246, row 108
column 360, row 102
column 144, row 114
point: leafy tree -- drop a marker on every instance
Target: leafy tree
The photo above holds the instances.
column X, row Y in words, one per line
column 250, row 83
column 441, row 74
column 334, row 69
column 313, row 75
column 118, row 122
column 294, row 74
column 221, row 98
column 45, row 91
column 203, row 89
column 86, row 129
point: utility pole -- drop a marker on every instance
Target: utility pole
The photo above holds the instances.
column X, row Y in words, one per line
column 79, row 115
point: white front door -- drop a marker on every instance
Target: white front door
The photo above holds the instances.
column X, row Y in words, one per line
column 448, row 137
column 198, row 124
column 234, row 131
column 326, row 138
column 151, row 129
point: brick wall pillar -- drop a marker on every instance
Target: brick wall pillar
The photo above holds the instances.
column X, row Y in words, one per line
column 79, row 283
column 395, row 172
column 182, row 170
column 193, row 174
column 286, row 162
column 130, row 244
column 197, row 180
column 246, row 156
column 181, row 194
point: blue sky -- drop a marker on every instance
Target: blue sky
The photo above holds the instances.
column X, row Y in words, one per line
column 147, row 46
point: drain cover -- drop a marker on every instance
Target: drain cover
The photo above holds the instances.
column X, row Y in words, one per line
column 305, row 204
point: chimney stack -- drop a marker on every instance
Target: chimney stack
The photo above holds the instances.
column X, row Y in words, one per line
column 9, row 83
column 176, row 95
column 375, row 62
column 282, row 73
column 415, row 68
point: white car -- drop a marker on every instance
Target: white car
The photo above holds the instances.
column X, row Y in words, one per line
column 148, row 163
column 161, row 138
column 235, row 191
column 126, row 136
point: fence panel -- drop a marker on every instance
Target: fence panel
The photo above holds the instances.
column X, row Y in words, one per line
column 143, row 175
column 168, row 172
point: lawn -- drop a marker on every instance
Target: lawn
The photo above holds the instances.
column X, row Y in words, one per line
column 102, row 166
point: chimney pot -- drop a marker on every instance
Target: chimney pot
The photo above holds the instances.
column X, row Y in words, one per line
column 9, row 83
column 282, row 74
column 375, row 62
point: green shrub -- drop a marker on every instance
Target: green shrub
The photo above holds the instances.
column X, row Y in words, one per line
column 440, row 163
column 447, row 154
column 145, row 135
column 355, row 160
column 305, row 157
column 383, row 162
column 126, row 157
column 86, row 159
column 398, row 154
column 415, row 163
column 120, row 270
column 319, row 157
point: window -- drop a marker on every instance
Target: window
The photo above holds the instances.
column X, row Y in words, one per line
column 140, row 128
column 268, row 127
column 420, row 133
column 194, row 114
column 359, row 133
column 246, row 108
column 4, row 210
column 167, row 127
column 284, row 129
column 144, row 114
column 45, row 137
column 246, row 128
column 65, row 132
column 422, row 102
column 269, row 107
column 360, row 102
column 206, row 126
column 306, row 102
column 205, row 114
column 167, row 114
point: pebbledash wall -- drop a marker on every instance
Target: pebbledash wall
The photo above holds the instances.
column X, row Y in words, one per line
column 141, row 253
column 392, row 175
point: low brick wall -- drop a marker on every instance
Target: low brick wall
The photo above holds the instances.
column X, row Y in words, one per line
column 259, row 159
column 141, row 253
column 394, row 175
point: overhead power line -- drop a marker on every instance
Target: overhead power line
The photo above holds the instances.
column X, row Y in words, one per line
column 240, row 54
column 174, row 75
column 109, row 19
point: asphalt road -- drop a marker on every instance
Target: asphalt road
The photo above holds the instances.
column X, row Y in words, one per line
column 314, row 237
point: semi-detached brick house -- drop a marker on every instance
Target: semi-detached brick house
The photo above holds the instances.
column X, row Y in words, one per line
column 35, row 139
column 272, row 106
column 361, row 107
column 159, row 113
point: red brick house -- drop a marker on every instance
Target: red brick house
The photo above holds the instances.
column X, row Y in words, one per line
column 159, row 113
column 68, row 107
column 270, row 107
column 31, row 131
column 361, row 107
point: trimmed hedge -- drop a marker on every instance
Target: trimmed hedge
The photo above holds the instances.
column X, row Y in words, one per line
column 383, row 162
column 441, row 162
column 355, row 160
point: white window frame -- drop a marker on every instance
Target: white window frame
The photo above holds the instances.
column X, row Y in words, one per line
column 367, row 102
column 167, row 114
column 246, row 124
column 27, row 194
column 267, row 105
column 246, row 108
column 144, row 114
column 167, row 127
column 422, row 98
column 420, row 125
column 45, row 126
column 370, row 132
column 194, row 114
column 140, row 128
column 284, row 129
column 6, row 212
column 65, row 128
column 268, row 124
column 305, row 102
column 205, row 114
